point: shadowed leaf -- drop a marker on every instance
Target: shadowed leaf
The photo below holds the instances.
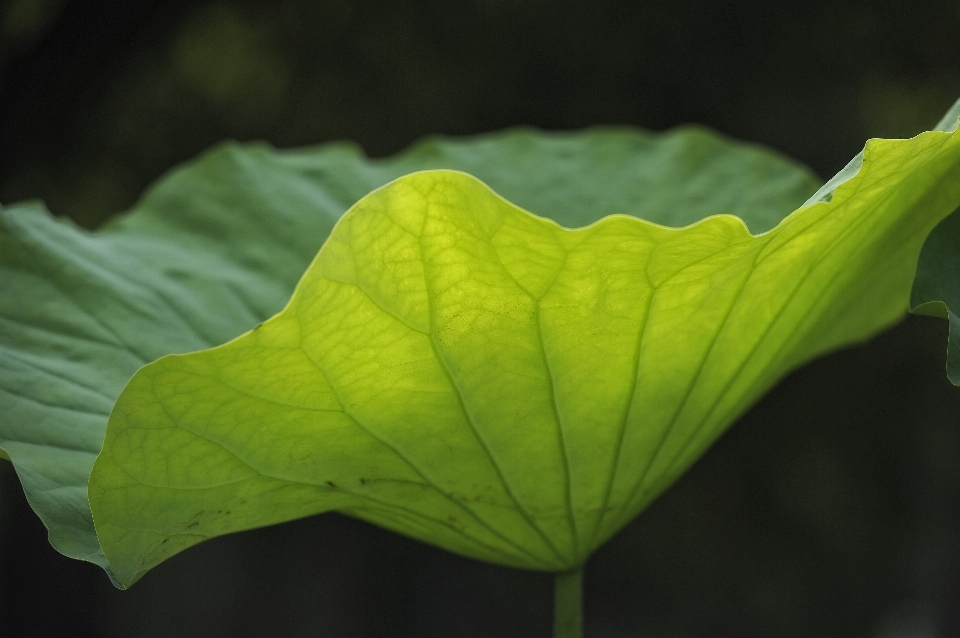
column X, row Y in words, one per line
column 936, row 289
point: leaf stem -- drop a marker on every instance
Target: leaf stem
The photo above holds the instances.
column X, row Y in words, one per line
column 567, row 604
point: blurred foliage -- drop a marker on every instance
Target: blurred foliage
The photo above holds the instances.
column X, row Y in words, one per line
column 832, row 509
column 23, row 22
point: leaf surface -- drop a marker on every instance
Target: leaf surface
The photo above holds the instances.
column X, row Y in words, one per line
column 461, row 371
column 936, row 288
column 218, row 246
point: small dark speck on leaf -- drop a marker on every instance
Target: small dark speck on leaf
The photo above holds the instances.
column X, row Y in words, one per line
column 332, row 484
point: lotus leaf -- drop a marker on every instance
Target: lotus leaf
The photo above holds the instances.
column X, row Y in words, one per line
column 459, row 370
column 450, row 366
column 218, row 246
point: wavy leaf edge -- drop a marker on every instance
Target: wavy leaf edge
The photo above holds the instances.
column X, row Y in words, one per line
column 841, row 192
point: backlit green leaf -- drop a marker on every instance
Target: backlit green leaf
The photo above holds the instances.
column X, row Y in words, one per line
column 463, row 372
column 217, row 247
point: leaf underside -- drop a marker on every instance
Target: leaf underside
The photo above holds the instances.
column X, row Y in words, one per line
column 463, row 372
column 218, row 246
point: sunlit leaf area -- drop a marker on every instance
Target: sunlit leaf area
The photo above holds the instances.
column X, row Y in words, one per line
column 478, row 381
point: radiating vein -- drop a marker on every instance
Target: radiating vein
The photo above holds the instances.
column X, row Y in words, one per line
column 9, row 353
column 259, row 472
column 627, row 411
column 561, row 440
column 445, row 366
column 826, row 250
column 412, row 465
column 665, row 432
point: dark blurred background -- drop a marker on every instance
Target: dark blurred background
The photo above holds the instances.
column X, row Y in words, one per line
column 831, row 509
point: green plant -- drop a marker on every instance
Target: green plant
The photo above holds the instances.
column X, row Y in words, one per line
column 449, row 366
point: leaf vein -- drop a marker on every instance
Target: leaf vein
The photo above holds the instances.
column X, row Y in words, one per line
column 413, row 466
